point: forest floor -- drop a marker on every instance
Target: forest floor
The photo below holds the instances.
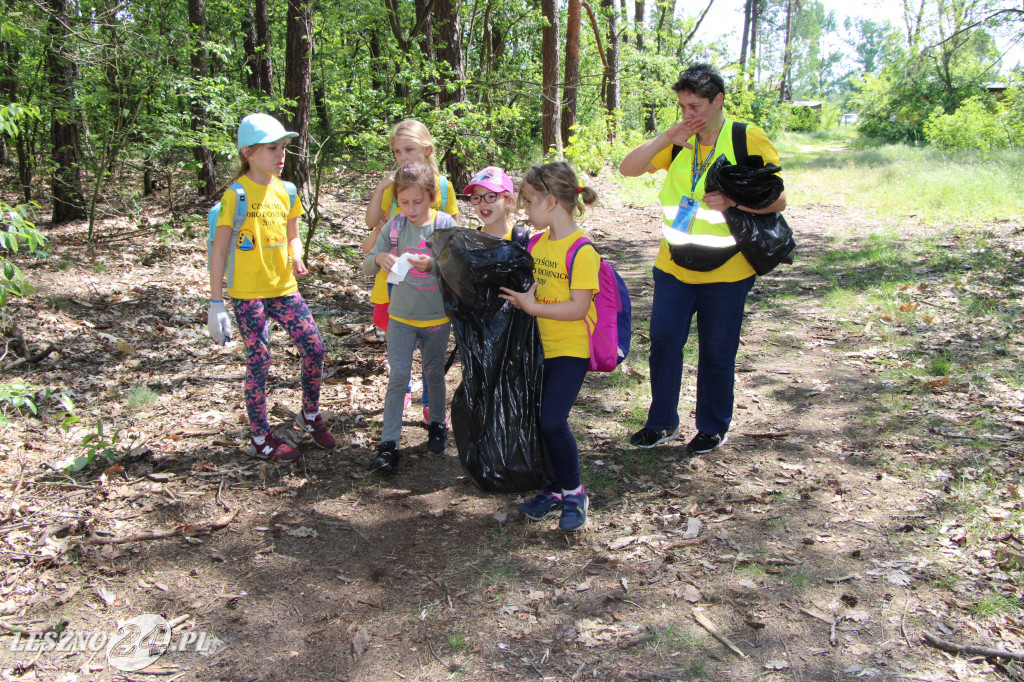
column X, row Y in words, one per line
column 869, row 494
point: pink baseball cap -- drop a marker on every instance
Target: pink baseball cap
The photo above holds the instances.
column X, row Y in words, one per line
column 492, row 178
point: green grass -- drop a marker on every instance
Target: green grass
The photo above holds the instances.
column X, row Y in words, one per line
column 996, row 605
column 140, row 397
column 457, row 642
column 959, row 188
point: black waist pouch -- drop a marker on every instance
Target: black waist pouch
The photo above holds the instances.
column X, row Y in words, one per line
column 701, row 258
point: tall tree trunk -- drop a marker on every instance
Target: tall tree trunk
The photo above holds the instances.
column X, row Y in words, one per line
column 755, row 25
column 785, row 88
column 551, row 103
column 207, row 185
column 263, row 64
column 376, row 84
column 426, row 43
column 65, row 119
column 572, row 69
column 297, row 69
column 453, row 86
column 668, row 13
column 320, row 94
column 746, row 35
column 611, row 94
column 10, row 90
column 639, row 16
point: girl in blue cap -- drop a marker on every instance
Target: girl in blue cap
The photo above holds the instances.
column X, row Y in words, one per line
column 267, row 260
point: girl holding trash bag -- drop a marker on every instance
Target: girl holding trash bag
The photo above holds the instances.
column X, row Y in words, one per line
column 699, row 269
column 416, row 311
column 267, row 259
column 552, row 197
column 411, row 143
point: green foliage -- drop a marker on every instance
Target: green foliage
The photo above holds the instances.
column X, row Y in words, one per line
column 589, row 149
column 972, row 126
column 16, row 395
column 97, row 446
column 803, row 119
column 758, row 105
column 141, row 396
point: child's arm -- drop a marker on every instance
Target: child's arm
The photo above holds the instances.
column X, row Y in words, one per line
column 295, row 247
column 374, row 215
column 371, row 238
column 217, row 320
column 574, row 309
column 380, row 256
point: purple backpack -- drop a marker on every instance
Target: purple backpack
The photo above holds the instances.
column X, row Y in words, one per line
column 609, row 336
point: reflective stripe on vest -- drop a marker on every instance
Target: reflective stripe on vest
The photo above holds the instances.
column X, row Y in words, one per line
column 709, row 227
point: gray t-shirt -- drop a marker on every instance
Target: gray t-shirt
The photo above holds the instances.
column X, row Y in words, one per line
column 418, row 296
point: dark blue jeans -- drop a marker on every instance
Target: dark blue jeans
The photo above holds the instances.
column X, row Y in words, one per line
column 719, row 310
column 563, row 378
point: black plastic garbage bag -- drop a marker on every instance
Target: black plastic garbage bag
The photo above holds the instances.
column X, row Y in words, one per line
column 751, row 186
column 495, row 410
column 764, row 238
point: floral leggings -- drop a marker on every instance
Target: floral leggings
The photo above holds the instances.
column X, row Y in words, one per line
column 254, row 315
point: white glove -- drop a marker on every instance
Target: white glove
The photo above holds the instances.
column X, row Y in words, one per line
column 219, row 323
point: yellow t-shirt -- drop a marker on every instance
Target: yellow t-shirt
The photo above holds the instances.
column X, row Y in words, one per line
column 737, row 267
column 564, row 337
column 379, row 294
column 263, row 264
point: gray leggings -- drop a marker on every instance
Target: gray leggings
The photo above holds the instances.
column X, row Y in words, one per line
column 401, row 344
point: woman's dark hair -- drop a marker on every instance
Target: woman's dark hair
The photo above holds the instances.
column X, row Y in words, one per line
column 702, row 80
column 559, row 180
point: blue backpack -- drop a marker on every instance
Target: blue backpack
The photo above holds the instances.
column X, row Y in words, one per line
column 241, row 209
column 610, row 335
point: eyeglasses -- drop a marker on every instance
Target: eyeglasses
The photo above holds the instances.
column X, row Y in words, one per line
column 540, row 175
column 488, row 198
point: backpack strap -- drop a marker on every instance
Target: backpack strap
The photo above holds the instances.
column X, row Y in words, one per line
column 293, row 193
column 570, row 255
column 739, row 140
column 520, row 235
column 676, row 148
column 533, row 241
column 397, row 223
column 241, row 210
column 444, row 193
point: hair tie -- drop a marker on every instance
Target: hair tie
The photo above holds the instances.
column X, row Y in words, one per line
column 579, row 190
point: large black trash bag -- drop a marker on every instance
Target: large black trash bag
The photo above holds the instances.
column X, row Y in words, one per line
column 495, row 410
column 764, row 238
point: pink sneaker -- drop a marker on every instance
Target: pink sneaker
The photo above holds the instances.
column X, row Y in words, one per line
column 274, row 448
column 426, row 417
column 317, row 429
column 407, row 401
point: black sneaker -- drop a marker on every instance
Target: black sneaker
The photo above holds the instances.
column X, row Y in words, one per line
column 387, row 458
column 705, row 442
column 437, row 437
column 649, row 438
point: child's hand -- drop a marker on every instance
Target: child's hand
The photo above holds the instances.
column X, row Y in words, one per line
column 421, row 262
column 299, row 268
column 525, row 301
column 385, row 261
column 386, row 181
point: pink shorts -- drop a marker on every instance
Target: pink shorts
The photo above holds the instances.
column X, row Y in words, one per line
column 380, row 316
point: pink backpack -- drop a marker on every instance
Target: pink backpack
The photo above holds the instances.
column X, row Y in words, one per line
column 609, row 336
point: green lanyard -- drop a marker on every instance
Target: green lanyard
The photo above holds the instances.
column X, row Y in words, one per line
column 696, row 173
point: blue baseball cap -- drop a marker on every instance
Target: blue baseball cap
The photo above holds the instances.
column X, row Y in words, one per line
column 261, row 129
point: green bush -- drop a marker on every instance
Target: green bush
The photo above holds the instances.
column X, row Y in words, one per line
column 803, row 119
column 972, row 126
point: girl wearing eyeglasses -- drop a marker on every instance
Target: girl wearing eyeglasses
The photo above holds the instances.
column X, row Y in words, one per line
column 490, row 192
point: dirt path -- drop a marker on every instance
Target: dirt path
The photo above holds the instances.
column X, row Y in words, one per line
column 819, row 555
